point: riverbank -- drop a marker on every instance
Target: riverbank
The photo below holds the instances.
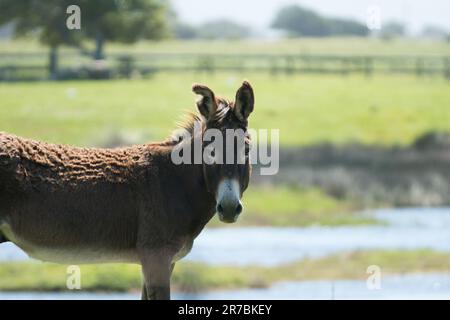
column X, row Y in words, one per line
column 194, row 277
column 295, row 206
column 370, row 176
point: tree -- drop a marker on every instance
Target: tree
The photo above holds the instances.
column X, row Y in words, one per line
column 298, row 21
column 214, row 29
column 122, row 21
column 392, row 29
column 46, row 18
column 347, row 27
column 435, row 32
column 101, row 20
column 184, row 31
column 180, row 29
column 223, row 29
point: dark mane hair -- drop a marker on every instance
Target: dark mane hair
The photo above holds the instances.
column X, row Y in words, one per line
column 187, row 124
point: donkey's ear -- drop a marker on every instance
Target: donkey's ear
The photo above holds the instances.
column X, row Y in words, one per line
column 207, row 104
column 245, row 100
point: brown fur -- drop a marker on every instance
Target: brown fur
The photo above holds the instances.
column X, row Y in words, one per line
column 126, row 204
column 35, row 174
column 40, row 165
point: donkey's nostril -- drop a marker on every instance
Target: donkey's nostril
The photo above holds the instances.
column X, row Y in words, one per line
column 219, row 208
column 239, row 208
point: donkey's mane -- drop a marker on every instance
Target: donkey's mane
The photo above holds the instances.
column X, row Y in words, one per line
column 186, row 126
column 190, row 119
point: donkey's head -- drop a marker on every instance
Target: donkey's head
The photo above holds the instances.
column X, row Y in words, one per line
column 226, row 145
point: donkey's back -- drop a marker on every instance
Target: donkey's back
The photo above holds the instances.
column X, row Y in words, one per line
column 66, row 198
column 42, row 165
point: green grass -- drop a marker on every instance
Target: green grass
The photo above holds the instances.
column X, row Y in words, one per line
column 306, row 109
column 293, row 206
column 344, row 46
column 191, row 277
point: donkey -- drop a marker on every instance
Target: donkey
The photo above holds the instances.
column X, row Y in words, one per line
column 133, row 205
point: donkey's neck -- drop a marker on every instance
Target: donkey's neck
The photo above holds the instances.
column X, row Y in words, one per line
column 188, row 179
column 193, row 184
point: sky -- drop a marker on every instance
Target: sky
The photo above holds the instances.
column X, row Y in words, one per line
column 415, row 14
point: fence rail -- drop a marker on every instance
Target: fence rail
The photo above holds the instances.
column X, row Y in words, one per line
column 33, row 66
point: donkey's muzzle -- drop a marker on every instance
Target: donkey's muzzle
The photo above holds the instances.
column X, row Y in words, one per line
column 229, row 212
column 229, row 205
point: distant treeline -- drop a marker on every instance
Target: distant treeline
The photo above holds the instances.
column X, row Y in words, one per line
column 294, row 20
column 298, row 21
column 217, row 29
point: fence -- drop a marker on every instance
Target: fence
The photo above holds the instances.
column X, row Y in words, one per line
column 33, row 66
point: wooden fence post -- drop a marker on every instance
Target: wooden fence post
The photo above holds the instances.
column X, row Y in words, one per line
column 289, row 65
column 273, row 65
column 368, row 66
column 420, row 66
column 447, row 68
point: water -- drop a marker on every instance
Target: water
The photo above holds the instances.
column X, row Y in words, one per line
column 401, row 229
column 413, row 286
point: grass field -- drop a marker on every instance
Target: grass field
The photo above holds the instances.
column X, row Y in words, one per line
column 191, row 277
column 384, row 110
column 306, row 109
column 338, row 46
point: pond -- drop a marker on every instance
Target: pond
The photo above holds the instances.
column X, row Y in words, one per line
column 399, row 229
column 412, row 286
